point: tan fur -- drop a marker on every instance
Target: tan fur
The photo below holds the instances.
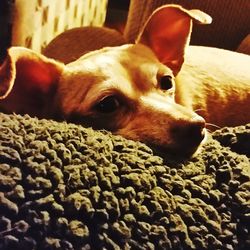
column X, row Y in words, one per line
column 219, row 81
column 218, row 89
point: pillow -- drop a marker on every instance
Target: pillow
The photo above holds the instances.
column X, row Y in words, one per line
column 63, row 186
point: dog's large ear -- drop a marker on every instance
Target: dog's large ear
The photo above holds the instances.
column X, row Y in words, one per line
column 26, row 75
column 167, row 32
column 29, row 70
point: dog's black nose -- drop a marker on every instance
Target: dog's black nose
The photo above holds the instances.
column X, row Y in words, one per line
column 189, row 133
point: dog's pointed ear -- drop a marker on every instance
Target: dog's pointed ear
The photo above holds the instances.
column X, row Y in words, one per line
column 28, row 82
column 167, row 32
column 28, row 71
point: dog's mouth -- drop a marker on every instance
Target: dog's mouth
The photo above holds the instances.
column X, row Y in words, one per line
column 176, row 153
column 183, row 148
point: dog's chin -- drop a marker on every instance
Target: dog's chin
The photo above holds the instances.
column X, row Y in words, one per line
column 179, row 152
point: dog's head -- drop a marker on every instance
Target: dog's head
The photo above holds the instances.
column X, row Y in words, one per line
column 129, row 89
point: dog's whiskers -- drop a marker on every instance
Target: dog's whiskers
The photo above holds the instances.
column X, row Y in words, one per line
column 197, row 110
column 211, row 125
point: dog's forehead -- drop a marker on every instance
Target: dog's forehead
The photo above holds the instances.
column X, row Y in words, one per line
column 131, row 50
column 114, row 55
column 136, row 63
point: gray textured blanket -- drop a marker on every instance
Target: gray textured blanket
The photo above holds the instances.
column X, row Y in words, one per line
column 63, row 186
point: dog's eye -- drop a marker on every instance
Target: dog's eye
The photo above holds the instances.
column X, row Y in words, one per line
column 108, row 104
column 166, row 82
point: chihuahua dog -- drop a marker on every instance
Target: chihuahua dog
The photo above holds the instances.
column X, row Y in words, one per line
column 142, row 91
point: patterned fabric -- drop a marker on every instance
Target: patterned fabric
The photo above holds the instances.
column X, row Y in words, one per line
column 37, row 22
column 231, row 20
column 5, row 26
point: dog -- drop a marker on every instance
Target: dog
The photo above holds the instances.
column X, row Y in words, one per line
column 143, row 91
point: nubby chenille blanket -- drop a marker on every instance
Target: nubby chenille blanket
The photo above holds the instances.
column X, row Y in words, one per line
column 63, row 186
